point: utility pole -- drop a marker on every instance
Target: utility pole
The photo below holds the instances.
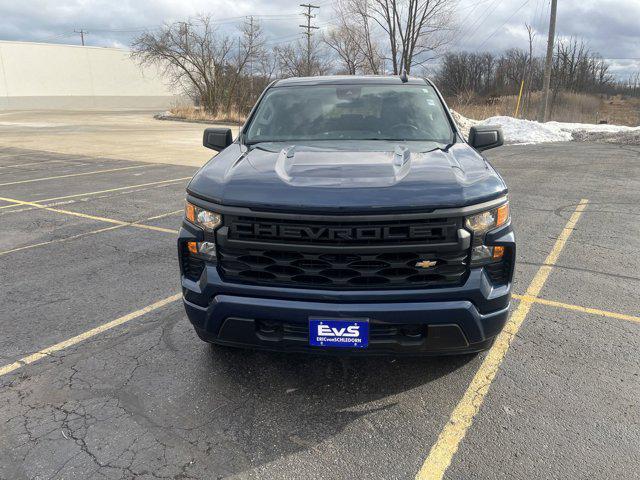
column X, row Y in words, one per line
column 82, row 33
column 308, row 27
column 544, row 105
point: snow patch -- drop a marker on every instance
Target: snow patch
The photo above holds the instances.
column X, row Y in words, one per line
column 519, row 131
column 528, row 131
column 464, row 123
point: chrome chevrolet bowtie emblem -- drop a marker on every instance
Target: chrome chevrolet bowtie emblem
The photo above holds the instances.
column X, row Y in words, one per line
column 426, row 264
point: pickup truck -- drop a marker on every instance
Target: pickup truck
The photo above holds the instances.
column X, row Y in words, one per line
column 350, row 215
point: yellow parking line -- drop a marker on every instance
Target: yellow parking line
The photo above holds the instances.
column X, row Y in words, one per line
column 442, row 452
column 151, row 227
column 66, row 212
column 76, row 174
column 94, row 232
column 12, row 367
column 90, row 217
column 109, row 190
column 578, row 308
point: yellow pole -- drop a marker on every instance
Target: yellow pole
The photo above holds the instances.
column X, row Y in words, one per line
column 519, row 97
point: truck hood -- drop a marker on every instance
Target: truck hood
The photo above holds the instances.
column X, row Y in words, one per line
column 347, row 176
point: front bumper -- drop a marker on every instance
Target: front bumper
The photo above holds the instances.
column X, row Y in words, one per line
column 427, row 321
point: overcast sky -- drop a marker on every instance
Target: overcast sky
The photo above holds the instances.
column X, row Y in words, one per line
column 611, row 27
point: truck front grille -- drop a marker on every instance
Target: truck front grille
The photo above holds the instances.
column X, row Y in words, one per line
column 353, row 255
column 338, row 270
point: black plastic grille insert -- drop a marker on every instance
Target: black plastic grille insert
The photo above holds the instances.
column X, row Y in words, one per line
column 340, row 270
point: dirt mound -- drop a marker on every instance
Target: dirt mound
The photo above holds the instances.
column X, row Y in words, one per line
column 625, row 138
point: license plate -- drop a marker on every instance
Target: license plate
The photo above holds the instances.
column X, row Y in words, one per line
column 330, row 333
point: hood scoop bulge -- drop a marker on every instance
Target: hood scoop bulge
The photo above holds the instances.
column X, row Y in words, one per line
column 309, row 166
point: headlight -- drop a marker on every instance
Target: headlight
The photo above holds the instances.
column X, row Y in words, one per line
column 202, row 218
column 480, row 224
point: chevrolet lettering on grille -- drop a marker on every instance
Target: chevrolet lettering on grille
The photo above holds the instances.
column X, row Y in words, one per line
column 306, row 232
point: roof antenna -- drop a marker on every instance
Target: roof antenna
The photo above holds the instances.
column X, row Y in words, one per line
column 403, row 76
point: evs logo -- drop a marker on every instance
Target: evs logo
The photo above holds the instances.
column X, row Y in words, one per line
column 338, row 333
column 350, row 331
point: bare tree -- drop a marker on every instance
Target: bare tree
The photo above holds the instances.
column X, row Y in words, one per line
column 342, row 40
column 353, row 40
column 295, row 61
column 468, row 74
column 191, row 54
column 251, row 47
column 221, row 75
column 416, row 29
column 531, row 34
column 575, row 69
column 265, row 68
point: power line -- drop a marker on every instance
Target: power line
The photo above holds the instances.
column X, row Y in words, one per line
column 290, row 36
column 503, row 24
column 540, row 23
column 534, row 16
column 287, row 38
column 476, row 24
column 283, row 39
column 467, row 26
column 321, row 25
column 58, row 36
column 220, row 21
column 266, row 17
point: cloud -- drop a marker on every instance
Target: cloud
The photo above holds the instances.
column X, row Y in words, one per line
column 110, row 23
column 609, row 26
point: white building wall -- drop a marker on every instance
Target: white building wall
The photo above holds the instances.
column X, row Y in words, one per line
column 49, row 76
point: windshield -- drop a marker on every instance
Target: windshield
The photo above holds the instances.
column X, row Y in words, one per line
column 350, row 112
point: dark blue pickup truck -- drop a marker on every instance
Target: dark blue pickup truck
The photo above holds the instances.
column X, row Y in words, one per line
column 348, row 216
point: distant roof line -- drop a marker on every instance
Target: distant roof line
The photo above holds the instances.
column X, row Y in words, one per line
column 26, row 42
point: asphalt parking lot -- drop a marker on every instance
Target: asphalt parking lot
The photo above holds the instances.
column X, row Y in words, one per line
column 101, row 375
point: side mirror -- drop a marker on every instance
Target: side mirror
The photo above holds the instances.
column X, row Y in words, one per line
column 484, row 137
column 217, row 138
